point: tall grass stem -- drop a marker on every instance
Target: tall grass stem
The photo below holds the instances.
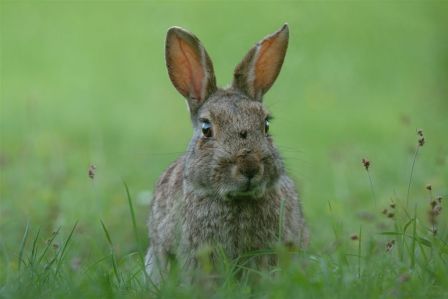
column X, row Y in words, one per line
column 411, row 175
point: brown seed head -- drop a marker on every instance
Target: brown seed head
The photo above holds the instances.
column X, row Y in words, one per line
column 354, row 237
column 421, row 141
column 420, row 132
column 92, row 171
column 390, row 245
column 433, row 213
column 366, row 163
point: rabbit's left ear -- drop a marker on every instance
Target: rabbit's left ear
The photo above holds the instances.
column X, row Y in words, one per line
column 189, row 67
column 260, row 67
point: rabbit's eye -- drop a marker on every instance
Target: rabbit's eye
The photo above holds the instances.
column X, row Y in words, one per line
column 207, row 129
column 266, row 125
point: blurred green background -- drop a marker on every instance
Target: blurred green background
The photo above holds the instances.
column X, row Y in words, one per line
column 85, row 83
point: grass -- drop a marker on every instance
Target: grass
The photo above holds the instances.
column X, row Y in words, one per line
column 84, row 83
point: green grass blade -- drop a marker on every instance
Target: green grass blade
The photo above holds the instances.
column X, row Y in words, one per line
column 359, row 251
column 137, row 239
column 106, row 232
column 131, row 209
column 112, row 253
column 411, row 175
column 414, row 238
column 22, row 245
column 49, row 242
column 64, row 248
column 34, row 248
column 391, row 233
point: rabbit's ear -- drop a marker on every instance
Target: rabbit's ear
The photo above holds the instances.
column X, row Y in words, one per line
column 260, row 67
column 189, row 67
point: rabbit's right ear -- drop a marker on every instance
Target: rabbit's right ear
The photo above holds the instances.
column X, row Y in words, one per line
column 260, row 67
column 189, row 67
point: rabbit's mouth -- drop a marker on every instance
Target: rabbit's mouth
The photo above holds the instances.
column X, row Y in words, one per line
column 249, row 194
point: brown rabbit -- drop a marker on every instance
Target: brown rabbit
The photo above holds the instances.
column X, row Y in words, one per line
column 230, row 187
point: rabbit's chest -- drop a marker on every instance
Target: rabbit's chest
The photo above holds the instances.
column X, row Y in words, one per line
column 237, row 227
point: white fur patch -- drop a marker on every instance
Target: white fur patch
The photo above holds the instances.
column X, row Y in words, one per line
column 149, row 262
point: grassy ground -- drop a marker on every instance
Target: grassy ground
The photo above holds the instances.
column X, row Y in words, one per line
column 85, row 83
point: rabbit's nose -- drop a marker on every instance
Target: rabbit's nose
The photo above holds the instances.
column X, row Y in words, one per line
column 249, row 170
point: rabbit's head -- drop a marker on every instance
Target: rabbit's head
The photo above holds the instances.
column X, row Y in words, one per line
column 231, row 154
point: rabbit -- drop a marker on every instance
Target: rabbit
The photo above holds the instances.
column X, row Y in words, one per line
column 230, row 187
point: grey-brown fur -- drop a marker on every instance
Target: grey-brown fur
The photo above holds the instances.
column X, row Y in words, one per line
column 227, row 189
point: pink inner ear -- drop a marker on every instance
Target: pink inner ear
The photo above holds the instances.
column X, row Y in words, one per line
column 186, row 70
column 269, row 60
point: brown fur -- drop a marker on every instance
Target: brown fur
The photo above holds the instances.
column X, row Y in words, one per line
column 227, row 189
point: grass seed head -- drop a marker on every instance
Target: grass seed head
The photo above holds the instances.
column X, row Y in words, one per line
column 421, row 138
column 390, row 245
column 366, row 163
column 92, row 171
column 421, row 141
column 420, row 132
column 434, row 212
